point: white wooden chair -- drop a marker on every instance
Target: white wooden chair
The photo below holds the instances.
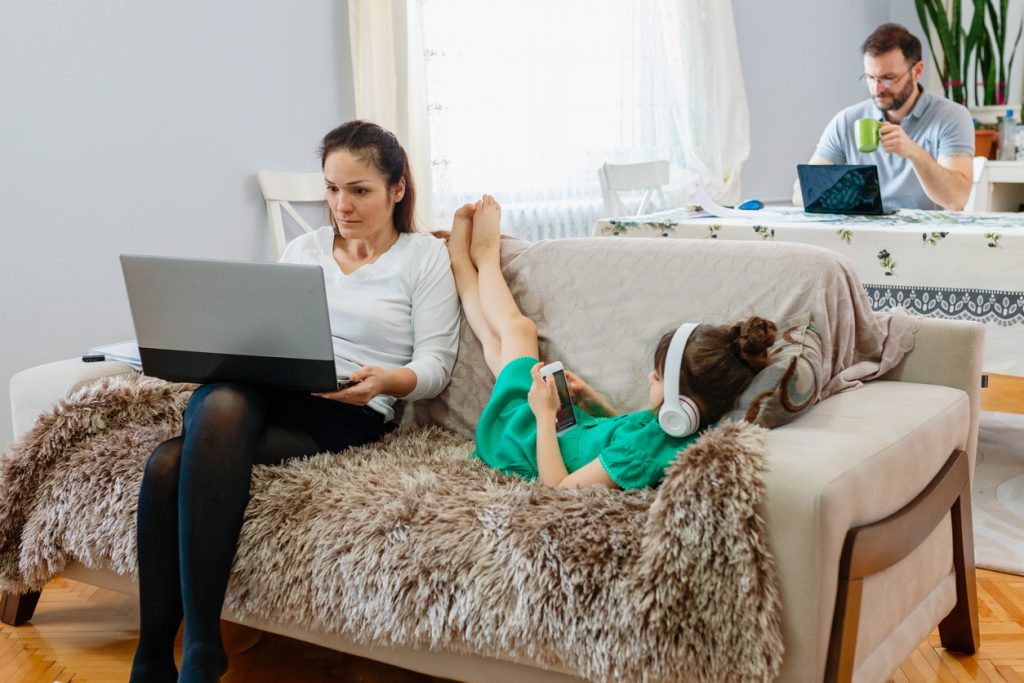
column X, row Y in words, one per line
column 649, row 176
column 279, row 191
column 979, row 171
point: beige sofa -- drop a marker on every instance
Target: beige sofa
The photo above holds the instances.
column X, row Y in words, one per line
column 867, row 508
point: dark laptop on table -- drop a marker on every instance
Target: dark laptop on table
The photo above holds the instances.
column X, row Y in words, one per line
column 839, row 188
column 205, row 321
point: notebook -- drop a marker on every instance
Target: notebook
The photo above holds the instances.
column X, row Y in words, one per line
column 203, row 320
column 841, row 188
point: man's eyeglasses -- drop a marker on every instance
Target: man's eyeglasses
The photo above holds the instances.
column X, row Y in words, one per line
column 885, row 81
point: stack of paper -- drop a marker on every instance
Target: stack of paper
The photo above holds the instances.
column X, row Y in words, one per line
column 719, row 211
column 123, row 352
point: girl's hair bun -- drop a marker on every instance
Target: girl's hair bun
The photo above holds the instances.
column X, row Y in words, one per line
column 752, row 340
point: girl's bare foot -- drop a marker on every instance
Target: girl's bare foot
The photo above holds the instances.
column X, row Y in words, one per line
column 486, row 228
column 461, row 234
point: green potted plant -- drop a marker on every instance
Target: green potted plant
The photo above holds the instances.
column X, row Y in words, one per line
column 981, row 49
column 993, row 61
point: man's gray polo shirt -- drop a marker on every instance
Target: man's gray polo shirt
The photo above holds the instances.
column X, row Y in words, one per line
column 940, row 126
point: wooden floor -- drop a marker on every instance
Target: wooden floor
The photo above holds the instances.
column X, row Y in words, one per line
column 1001, row 657
column 1000, row 600
column 82, row 633
column 85, row 634
column 1004, row 394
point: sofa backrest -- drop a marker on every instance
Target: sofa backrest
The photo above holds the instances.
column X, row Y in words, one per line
column 601, row 304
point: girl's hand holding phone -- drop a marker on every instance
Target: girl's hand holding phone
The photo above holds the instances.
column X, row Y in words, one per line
column 543, row 397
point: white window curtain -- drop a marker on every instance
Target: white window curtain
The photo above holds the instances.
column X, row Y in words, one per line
column 527, row 99
column 389, row 83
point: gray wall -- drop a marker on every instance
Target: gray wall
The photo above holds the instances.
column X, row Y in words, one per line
column 801, row 61
column 139, row 127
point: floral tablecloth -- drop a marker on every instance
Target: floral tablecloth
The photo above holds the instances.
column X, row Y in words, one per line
column 965, row 266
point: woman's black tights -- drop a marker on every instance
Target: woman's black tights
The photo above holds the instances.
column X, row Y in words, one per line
column 191, row 504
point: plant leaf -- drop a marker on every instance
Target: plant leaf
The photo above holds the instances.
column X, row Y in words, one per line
column 927, row 21
column 972, row 43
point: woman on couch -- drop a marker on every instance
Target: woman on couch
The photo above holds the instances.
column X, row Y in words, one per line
column 394, row 316
column 712, row 365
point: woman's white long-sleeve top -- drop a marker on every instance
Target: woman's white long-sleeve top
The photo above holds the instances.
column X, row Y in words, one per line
column 401, row 311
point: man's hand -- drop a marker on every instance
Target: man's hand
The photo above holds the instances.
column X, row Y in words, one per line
column 946, row 181
column 896, row 141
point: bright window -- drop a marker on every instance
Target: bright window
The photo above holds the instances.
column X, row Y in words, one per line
column 527, row 99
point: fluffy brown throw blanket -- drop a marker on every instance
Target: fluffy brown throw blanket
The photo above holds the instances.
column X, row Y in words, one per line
column 412, row 542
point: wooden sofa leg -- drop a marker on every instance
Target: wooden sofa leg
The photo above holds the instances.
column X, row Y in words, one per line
column 843, row 641
column 959, row 630
column 15, row 610
column 872, row 548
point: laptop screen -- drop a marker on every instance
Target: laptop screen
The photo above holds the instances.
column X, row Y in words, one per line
column 840, row 188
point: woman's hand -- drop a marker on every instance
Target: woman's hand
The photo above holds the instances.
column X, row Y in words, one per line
column 587, row 397
column 367, row 383
column 543, row 396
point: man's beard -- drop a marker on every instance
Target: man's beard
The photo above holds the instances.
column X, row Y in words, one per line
column 900, row 98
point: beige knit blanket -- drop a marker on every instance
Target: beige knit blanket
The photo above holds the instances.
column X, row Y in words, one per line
column 602, row 303
column 411, row 542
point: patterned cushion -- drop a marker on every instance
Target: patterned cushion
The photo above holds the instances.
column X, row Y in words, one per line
column 790, row 384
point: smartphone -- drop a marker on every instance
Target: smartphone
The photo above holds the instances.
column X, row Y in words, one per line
column 565, row 418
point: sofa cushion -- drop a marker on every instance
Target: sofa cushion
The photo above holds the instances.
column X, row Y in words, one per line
column 792, row 381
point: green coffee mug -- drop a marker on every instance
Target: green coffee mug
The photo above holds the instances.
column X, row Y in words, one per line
column 865, row 132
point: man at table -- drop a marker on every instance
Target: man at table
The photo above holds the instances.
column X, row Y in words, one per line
column 925, row 154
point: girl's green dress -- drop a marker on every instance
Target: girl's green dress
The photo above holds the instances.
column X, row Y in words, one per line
column 633, row 448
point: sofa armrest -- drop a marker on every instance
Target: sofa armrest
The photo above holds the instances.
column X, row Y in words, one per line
column 37, row 389
column 948, row 353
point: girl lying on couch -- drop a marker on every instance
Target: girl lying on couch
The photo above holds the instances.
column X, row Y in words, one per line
column 517, row 431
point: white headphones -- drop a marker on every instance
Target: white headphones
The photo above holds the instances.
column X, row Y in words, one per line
column 679, row 415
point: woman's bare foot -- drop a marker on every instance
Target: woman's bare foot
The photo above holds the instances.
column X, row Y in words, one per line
column 461, row 234
column 486, row 229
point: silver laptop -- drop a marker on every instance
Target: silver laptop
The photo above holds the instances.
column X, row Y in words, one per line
column 203, row 321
